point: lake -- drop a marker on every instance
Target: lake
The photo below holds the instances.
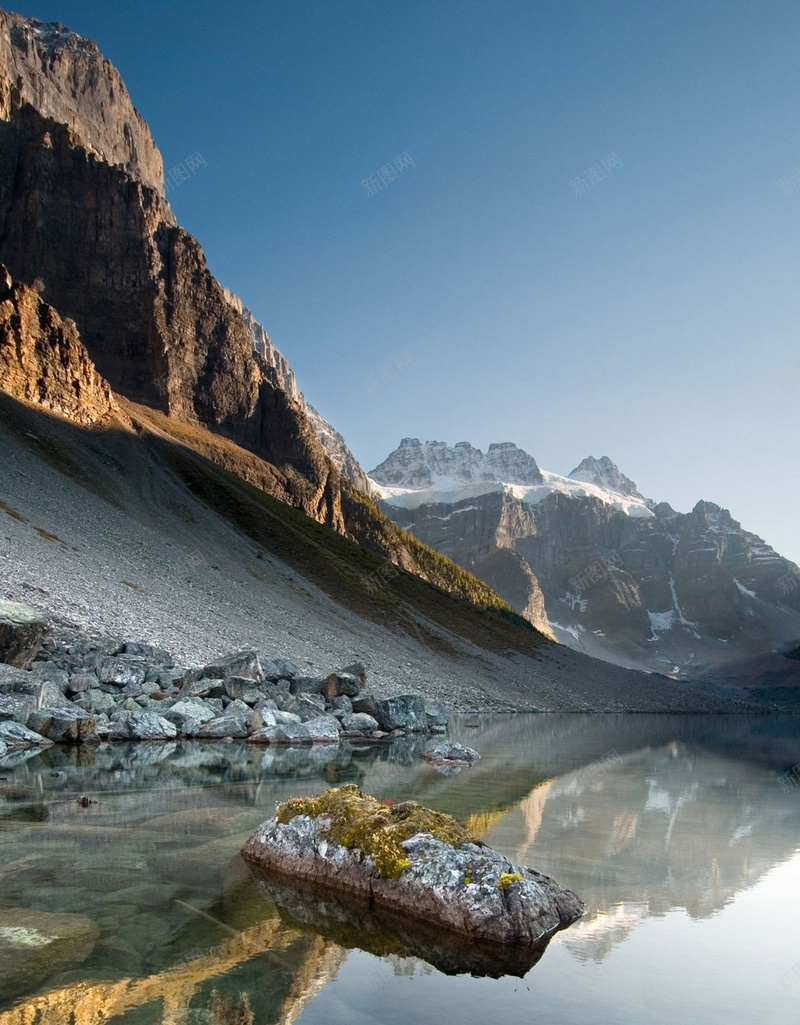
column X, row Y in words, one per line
column 680, row 833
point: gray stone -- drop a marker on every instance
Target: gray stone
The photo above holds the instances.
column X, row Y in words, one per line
column 22, row 630
column 207, row 688
column 342, row 704
column 62, row 725
column 366, row 702
column 285, row 718
column 81, row 682
column 307, row 706
column 14, row 734
column 358, row 722
column 132, row 690
column 101, row 702
column 142, row 726
column 280, row 669
column 289, row 733
column 197, row 709
column 448, row 751
column 120, row 670
column 131, row 705
column 338, row 684
column 15, row 707
column 241, row 663
column 468, row 889
column 224, row 726
column 306, row 685
column 251, row 696
column 3, row 748
column 323, row 730
column 148, row 651
column 436, row 713
column 167, row 678
column 406, row 712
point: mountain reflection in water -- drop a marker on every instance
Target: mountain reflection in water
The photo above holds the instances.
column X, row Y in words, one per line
column 644, row 817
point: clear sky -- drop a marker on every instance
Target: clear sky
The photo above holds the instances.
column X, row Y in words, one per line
column 652, row 318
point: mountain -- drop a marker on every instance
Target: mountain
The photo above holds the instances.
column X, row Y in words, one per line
column 331, row 440
column 162, row 473
column 610, row 572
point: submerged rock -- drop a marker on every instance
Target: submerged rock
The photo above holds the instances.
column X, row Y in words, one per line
column 448, row 752
column 37, row 944
column 411, row 860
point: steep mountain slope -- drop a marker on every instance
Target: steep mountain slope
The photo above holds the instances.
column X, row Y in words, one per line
column 616, row 575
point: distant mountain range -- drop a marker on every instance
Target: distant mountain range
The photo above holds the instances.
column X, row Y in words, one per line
column 610, row 572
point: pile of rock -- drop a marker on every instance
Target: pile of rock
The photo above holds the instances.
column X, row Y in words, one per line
column 86, row 690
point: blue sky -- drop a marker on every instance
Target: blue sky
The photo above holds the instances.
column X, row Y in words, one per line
column 652, row 318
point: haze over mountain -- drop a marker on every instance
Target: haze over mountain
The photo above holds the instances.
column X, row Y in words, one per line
column 611, row 572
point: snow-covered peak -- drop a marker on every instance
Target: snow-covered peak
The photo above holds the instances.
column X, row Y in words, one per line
column 606, row 474
column 421, row 465
column 428, row 473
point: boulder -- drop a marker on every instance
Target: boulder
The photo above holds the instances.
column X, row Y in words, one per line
column 280, row 669
column 437, row 714
column 341, row 704
column 148, row 651
column 357, row 669
column 22, row 630
column 306, row 685
column 16, row 707
column 323, row 730
column 210, row 688
column 409, row 859
column 448, row 752
column 142, row 726
column 339, row 684
column 406, row 712
column 37, row 944
column 289, row 733
column 358, row 722
column 241, row 663
column 14, row 734
column 3, row 748
column 62, row 725
column 81, row 682
column 121, row 670
column 224, row 726
column 306, row 706
column 197, row 709
column 284, row 718
column 101, row 703
column 366, row 702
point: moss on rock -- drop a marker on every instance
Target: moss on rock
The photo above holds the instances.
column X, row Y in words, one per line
column 361, row 822
column 507, row 878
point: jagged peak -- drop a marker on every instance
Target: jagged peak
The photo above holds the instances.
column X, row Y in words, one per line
column 605, row 473
column 418, row 464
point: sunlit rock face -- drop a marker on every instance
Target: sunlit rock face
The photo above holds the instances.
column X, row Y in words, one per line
column 608, row 571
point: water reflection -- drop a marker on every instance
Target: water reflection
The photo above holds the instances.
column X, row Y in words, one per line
column 639, row 815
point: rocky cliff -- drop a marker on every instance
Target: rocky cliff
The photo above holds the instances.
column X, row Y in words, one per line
column 44, row 361
column 615, row 574
column 82, row 213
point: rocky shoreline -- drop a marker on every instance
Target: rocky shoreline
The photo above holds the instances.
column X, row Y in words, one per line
column 65, row 686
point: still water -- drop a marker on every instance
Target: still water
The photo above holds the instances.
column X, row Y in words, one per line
column 680, row 834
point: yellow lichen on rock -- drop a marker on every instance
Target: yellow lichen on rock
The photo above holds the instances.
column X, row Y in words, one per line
column 507, row 878
column 361, row 822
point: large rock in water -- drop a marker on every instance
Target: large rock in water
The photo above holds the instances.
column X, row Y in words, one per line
column 37, row 944
column 22, row 631
column 411, row 860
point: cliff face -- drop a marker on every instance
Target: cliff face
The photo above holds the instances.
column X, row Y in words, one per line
column 82, row 212
column 44, row 361
column 66, row 78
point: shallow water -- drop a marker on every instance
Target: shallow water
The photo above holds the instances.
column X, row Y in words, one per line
column 677, row 832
